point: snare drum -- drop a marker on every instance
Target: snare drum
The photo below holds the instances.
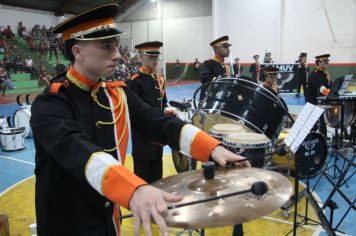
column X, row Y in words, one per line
column 12, row 139
column 22, row 119
column 248, row 145
column 220, row 131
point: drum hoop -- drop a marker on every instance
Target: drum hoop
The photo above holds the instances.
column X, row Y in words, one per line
column 246, row 145
column 211, row 111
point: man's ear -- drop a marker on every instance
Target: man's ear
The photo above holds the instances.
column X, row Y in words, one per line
column 77, row 51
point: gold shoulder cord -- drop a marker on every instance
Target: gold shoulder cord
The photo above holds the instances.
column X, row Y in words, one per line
column 122, row 100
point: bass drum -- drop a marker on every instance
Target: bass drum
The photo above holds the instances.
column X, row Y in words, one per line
column 22, row 119
column 245, row 102
column 312, row 153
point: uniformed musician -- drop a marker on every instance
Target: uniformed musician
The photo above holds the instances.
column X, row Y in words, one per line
column 81, row 125
column 215, row 67
column 150, row 87
column 255, row 69
column 319, row 84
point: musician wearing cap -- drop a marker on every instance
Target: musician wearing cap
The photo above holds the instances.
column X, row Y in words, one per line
column 81, row 125
column 255, row 69
column 319, row 84
column 150, row 87
column 270, row 74
column 301, row 72
column 215, row 67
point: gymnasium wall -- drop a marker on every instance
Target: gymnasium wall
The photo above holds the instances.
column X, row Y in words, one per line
column 12, row 15
column 287, row 27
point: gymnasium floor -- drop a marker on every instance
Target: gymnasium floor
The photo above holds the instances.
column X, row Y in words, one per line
column 17, row 181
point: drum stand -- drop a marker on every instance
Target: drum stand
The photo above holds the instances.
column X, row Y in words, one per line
column 326, row 223
column 337, row 147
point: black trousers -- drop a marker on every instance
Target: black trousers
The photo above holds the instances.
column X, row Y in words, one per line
column 237, row 230
column 148, row 170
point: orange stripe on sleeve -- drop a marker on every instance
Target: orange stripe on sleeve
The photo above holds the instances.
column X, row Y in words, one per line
column 325, row 92
column 119, row 184
column 203, row 145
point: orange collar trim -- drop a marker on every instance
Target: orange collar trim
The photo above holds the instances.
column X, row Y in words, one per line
column 146, row 71
column 80, row 80
column 218, row 59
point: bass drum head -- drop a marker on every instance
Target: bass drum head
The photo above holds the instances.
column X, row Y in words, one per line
column 181, row 162
column 312, row 153
column 208, row 120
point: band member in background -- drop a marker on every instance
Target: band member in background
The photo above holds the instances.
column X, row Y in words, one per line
column 301, row 72
column 150, row 87
column 319, row 84
column 255, row 69
column 268, row 58
column 215, row 67
column 270, row 74
column 81, row 125
column 237, row 67
column 196, row 66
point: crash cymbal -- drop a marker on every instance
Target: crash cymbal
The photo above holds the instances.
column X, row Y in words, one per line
column 224, row 211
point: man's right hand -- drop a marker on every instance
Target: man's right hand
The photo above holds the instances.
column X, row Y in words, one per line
column 147, row 202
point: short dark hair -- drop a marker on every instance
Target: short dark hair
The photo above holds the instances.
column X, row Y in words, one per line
column 68, row 50
column 317, row 62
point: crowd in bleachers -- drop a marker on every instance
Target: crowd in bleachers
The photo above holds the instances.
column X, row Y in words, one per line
column 40, row 52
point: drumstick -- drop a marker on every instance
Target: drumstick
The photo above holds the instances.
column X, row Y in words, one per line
column 258, row 188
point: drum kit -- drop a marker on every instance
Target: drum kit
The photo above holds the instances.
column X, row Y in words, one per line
column 13, row 132
column 251, row 121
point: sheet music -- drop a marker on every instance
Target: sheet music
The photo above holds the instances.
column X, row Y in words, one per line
column 345, row 84
column 302, row 126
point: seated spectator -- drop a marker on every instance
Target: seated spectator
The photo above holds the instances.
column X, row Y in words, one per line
column 4, row 47
column 5, row 81
column 8, row 34
column 44, row 77
column 8, row 62
column 31, row 43
column 29, row 67
column 53, row 48
column 18, row 64
column 60, row 67
column 20, row 29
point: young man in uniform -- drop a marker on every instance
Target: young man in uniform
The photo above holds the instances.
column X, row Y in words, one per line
column 150, row 87
column 215, row 67
column 81, row 126
column 237, row 67
column 319, row 84
column 301, row 72
column 255, row 69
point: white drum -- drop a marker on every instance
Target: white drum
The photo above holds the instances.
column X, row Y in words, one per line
column 219, row 131
column 22, row 119
column 12, row 139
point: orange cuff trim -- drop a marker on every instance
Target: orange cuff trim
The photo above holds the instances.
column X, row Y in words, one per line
column 119, row 184
column 85, row 26
column 203, row 145
column 325, row 92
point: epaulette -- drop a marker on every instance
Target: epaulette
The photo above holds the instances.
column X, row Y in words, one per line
column 134, row 76
column 55, row 86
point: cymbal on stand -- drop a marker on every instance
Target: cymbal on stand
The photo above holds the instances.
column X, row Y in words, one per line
column 224, row 211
